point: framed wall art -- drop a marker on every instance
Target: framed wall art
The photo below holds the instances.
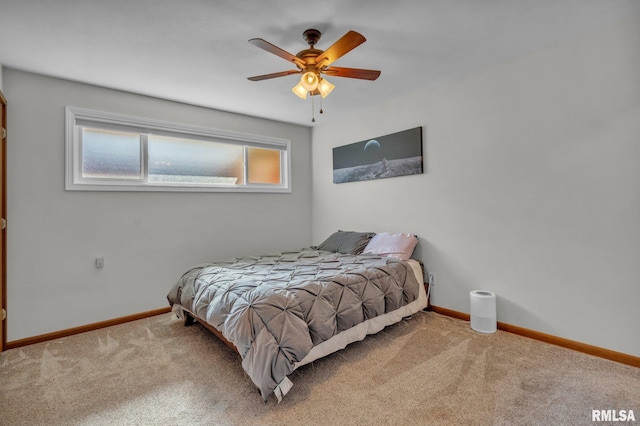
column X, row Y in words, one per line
column 397, row 154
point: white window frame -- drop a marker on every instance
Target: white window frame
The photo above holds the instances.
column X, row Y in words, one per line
column 76, row 118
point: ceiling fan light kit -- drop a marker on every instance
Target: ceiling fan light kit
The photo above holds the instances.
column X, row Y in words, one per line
column 312, row 63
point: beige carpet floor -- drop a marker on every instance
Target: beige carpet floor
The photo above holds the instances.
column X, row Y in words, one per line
column 429, row 369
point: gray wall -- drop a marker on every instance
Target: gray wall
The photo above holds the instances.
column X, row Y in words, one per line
column 531, row 188
column 147, row 239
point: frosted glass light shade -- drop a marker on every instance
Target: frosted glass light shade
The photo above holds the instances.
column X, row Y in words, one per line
column 324, row 87
column 309, row 81
column 300, row 91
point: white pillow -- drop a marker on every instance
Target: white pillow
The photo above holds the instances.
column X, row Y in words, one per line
column 396, row 245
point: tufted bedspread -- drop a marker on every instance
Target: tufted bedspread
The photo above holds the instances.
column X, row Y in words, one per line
column 275, row 308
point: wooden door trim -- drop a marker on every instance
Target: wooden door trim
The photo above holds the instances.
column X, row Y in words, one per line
column 3, row 213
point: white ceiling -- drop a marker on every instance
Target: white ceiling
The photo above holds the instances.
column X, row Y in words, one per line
column 196, row 51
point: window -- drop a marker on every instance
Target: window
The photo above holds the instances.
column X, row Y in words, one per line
column 114, row 152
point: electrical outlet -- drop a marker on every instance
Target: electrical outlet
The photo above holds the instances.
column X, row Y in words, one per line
column 99, row 262
column 432, row 279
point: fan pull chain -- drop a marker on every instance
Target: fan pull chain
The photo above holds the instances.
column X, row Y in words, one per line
column 321, row 111
column 313, row 113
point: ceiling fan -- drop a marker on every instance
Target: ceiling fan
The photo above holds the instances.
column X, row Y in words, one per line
column 312, row 63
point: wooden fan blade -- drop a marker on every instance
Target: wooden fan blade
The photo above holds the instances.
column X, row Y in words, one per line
column 271, row 48
column 352, row 73
column 344, row 45
column 274, row 75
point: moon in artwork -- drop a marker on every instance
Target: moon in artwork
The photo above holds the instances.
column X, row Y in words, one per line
column 372, row 144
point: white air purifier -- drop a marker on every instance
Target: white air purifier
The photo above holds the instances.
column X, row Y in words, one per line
column 483, row 311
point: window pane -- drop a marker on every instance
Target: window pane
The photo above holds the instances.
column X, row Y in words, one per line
column 264, row 165
column 175, row 160
column 110, row 154
column 116, row 152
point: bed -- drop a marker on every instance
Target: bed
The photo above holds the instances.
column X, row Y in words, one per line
column 282, row 310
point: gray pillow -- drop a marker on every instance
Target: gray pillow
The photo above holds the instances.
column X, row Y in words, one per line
column 347, row 242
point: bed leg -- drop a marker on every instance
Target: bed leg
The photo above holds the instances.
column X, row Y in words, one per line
column 188, row 319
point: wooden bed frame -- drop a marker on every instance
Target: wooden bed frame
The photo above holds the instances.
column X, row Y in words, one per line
column 190, row 319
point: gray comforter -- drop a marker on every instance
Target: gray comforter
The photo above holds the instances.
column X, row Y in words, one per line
column 275, row 308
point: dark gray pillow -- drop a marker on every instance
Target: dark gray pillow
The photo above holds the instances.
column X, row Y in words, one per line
column 347, row 242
